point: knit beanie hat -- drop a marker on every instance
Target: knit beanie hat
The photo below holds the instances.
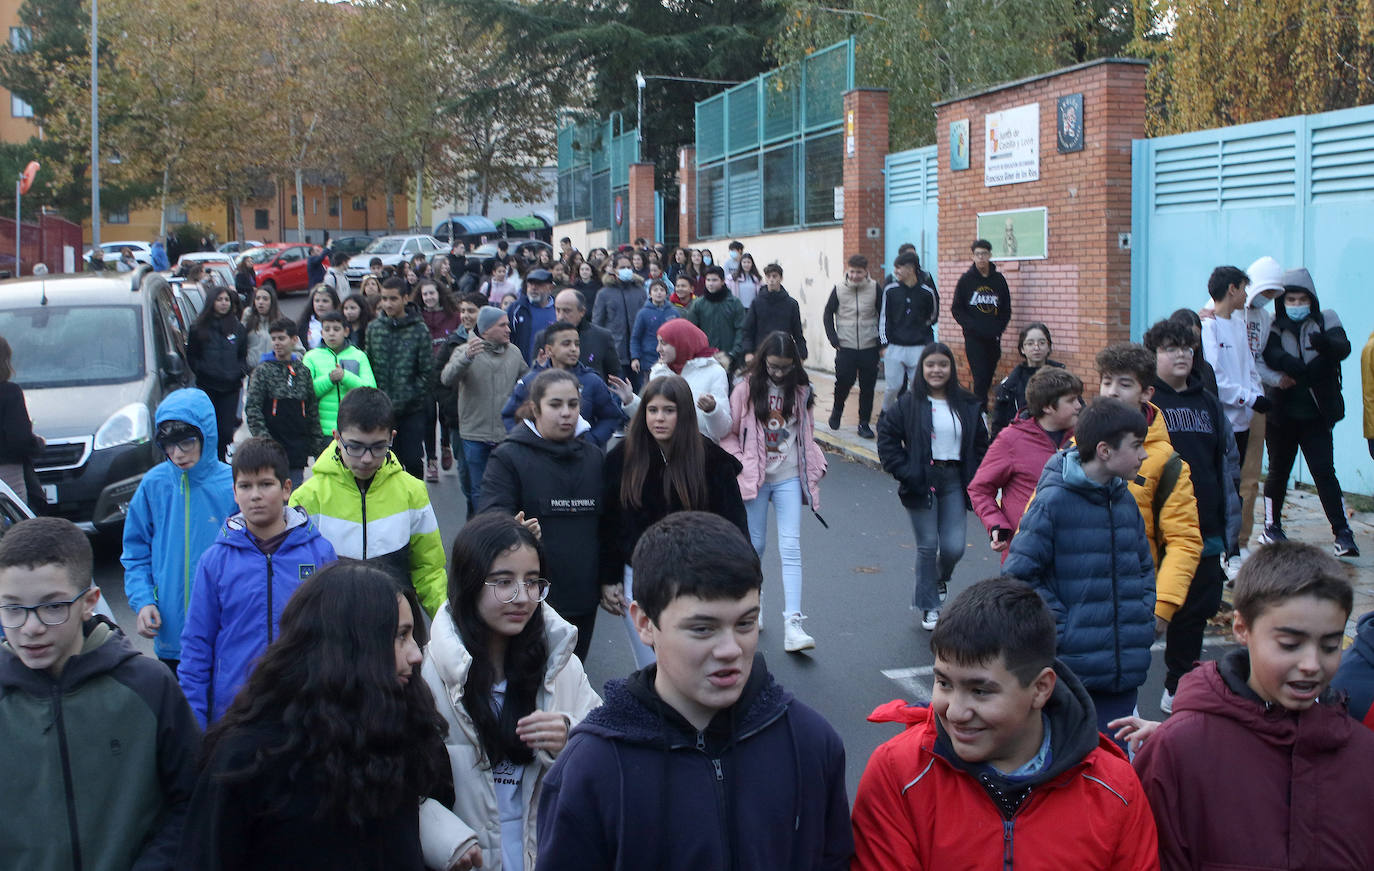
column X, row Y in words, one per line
column 486, row 316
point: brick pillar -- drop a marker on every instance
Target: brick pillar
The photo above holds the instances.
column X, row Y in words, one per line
column 687, row 195
column 865, row 147
column 641, row 205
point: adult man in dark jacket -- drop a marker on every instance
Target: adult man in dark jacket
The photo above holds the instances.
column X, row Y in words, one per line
column 851, row 325
column 400, row 350
column 532, row 312
column 615, row 310
column 982, row 306
column 773, row 310
column 596, row 343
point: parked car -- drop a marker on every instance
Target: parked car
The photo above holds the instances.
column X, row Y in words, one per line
column 392, row 250
column 95, row 355
column 12, row 511
column 521, row 249
column 202, row 257
column 143, row 252
column 233, row 248
column 281, row 266
column 345, row 247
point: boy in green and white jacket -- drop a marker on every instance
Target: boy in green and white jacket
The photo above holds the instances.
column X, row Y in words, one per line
column 336, row 367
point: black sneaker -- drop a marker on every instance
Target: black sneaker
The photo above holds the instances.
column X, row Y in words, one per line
column 865, row 431
column 835, row 419
column 1345, row 544
column 1272, row 533
column 944, row 590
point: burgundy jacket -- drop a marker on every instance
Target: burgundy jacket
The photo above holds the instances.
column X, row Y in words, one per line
column 1012, row 465
column 1237, row 784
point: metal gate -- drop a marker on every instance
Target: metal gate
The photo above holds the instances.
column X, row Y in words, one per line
column 1299, row 189
column 912, row 205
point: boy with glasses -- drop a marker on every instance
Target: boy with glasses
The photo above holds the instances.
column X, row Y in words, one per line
column 100, row 746
column 368, row 506
column 174, row 516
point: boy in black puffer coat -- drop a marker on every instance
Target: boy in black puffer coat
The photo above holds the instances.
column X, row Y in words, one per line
column 772, row 310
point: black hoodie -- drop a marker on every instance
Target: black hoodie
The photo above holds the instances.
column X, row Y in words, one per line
column 1194, row 418
column 982, row 304
column 773, row 311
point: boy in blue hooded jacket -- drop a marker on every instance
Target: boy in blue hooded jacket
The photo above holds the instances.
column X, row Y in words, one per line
column 263, row 553
column 174, row 516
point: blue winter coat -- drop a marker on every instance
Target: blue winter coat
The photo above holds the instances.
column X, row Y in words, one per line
column 1082, row 545
column 637, row 787
column 158, row 257
column 601, row 409
column 1356, row 674
column 644, row 337
column 523, row 326
column 236, row 606
column 173, row 518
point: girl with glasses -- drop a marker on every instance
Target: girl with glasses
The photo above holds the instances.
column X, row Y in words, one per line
column 772, row 434
column 1035, row 346
column 501, row 665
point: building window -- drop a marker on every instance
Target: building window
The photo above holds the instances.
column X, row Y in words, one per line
column 334, row 207
column 314, row 205
column 293, row 206
column 176, row 214
column 360, row 204
column 117, row 217
column 19, row 38
column 20, row 109
column 260, row 220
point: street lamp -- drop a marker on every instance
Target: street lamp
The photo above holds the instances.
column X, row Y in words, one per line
column 639, row 117
column 95, row 128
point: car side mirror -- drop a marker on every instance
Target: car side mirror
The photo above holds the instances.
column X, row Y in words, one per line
column 276, row 264
column 173, row 369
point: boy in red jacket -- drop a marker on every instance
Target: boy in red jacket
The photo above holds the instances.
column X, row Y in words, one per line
column 1260, row 765
column 1006, row 767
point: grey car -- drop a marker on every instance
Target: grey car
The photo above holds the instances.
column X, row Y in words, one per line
column 94, row 354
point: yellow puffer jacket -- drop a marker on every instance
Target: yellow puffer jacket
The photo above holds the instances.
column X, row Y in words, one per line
column 1178, row 532
column 1367, row 385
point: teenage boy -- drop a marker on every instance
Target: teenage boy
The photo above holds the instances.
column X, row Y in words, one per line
column 1307, row 343
column 644, row 337
column 732, row 258
column 281, row 402
column 1005, row 767
column 368, row 506
column 851, row 326
column 720, row 315
column 263, row 553
column 773, row 309
column 600, row 409
column 336, row 367
column 100, row 748
column 1226, row 345
column 908, row 311
column 1299, row 777
column 1196, row 423
column 982, row 307
column 174, row 516
column 702, row 760
column 1015, row 459
column 402, row 355
column 1082, row 545
column 484, row 371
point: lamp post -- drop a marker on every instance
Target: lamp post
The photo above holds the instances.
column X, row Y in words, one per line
column 639, row 117
column 95, row 128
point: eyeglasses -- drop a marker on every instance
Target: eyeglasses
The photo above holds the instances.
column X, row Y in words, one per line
column 357, row 451
column 186, row 445
column 507, row 590
column 779, row 370
column 1178, row 350
column 49, row 613
column 1035, row 343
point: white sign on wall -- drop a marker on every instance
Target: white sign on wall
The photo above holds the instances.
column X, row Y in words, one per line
column 1011, row 145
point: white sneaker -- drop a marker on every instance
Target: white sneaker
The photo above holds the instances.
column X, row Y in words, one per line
column 930, row 618
column 1166, row 702
column 1232, row 568
column 795, row 638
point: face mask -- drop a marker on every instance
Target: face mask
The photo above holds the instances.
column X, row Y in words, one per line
column 706, row 258
column 1298, row 313
column 625, row 273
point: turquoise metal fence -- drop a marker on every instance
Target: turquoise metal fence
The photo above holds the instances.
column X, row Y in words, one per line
column 593, row 170
column 1299, row 189
column 769, row 151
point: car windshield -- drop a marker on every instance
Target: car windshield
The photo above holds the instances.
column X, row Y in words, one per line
column 73, row 346
column 384, row 246
column 259, row 255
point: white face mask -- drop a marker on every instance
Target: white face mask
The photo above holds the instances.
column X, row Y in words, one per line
column 625, row 273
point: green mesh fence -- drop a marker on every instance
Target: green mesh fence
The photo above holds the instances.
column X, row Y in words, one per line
column 593, row 159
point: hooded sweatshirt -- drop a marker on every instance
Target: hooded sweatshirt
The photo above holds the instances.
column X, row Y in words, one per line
column 773, row 311
column 357, row 373
column 1082, row 545
column 1297, row 788
column 982, row 304
column 762, row 786
column 173, row 517
column 237, row 603
column 99, row 763
column 1311, row 351
column 1356, row 674
column 1193, row 417
column 644, row 337
column 1011, row 466
column 1082, row 809
column 599, row 407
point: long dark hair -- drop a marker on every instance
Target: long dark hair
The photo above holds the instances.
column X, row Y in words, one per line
column 953, row 387
column 210, row 322
column 476, row 546
column 303, row 323
column 684, row 457
column 251, row 319
column 353, row 733
column 777, row 344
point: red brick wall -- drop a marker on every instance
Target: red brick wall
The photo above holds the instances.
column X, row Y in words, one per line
column 1083, row 290
column 687, row 190
column 641, row 204
column 865, row 128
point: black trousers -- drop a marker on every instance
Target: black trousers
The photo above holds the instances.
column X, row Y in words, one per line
column 983, row 355
column 226, row 403
column 1285, row 437
column 585, row 623
column 849, row 364
column 432, row 416
column 1183, row 639
column 410, row 433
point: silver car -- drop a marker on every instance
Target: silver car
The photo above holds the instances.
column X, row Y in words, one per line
column 391, row 250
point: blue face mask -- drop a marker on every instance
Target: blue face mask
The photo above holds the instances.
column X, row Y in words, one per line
column 625, row 273
column 706, row 258
column 1298, row 313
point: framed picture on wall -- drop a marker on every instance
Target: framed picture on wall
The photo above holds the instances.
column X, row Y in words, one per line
column 958, row 145
column 1016, row 234
column 1069, row 127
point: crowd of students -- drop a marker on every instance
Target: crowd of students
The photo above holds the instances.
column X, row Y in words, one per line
column 366, row 705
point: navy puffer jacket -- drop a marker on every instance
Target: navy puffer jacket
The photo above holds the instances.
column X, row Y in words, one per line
column 1082, row 545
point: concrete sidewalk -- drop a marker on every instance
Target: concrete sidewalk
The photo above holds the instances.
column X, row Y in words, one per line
column 1303, row 519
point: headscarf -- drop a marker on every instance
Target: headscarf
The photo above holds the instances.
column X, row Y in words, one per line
column 687, row 340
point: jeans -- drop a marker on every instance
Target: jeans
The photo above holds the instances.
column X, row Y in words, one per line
column 643, row 653
column 940, row 536
column 410, row 431
column 787, row 502
column 432, row 416
column 849, row 363
column 1313, row 437
column 464, row 476
column 1183, row 639
column 1113, row 706
column 475, row 455
column 983, row 354
column 899, row 368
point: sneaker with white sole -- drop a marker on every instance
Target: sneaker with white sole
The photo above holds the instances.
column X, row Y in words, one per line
column 1272, row 533
column 795, row 638
column 930, row 618
column 1232, row 568
column 1345, row 544
column 1166, row 702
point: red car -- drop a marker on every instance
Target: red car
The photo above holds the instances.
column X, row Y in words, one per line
column 280, row 266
